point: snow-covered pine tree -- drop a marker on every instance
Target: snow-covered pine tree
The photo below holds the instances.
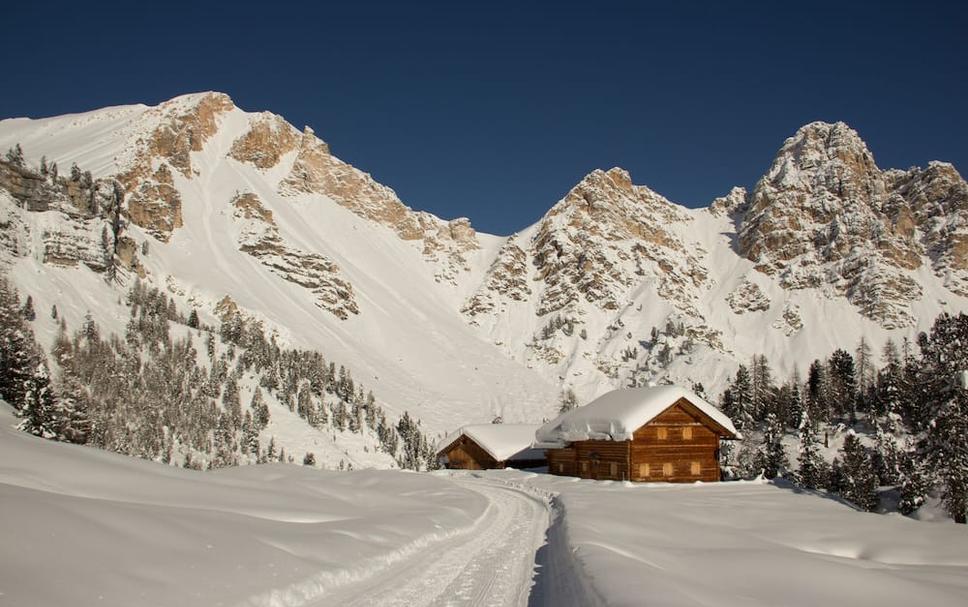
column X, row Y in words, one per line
column 843, row 385
column 812, row 472
column 818, row 393
column 568, row 400
column 944, row 444
column 913, row 483
column 28, row 309
column 771, row 457
column 741, row 399
column 762, row 388
column 858, row 482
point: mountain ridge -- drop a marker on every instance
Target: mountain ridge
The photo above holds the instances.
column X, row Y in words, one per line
column 614, row 285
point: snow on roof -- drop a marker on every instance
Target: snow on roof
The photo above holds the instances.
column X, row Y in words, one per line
column 616, row 415
column 501, row 441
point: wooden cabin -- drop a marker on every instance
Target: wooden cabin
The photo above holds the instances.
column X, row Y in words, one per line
column 490, row 446
column 654, row 434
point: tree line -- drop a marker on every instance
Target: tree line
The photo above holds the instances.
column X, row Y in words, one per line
column 913, row 407
column 178, row 400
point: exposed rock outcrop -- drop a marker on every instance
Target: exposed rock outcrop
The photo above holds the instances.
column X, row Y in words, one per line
column 826, row 216
column 316, row 171
column 259, row 237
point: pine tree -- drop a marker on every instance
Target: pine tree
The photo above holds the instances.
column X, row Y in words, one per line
column 864, row 365
column 812, row 469
column 944, row 409
column 843, row 384
column 309, row 459
column 260, row 410
column 818, row 407
column 762, row 389
column 858, row 482
column 568, row 400
column 913, row 483
column 15, row 156
column 193, row 319
column 740, row 400
column 772, row 458
column 38, row 403
column 28, row 309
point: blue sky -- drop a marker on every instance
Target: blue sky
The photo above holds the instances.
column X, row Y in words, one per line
column 493, row 110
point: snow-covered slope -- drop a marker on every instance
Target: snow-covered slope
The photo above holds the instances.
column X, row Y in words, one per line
column 313, row 247
column 87, row 527
column 615, row 285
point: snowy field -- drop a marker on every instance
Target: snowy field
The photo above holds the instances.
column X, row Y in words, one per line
column 736, row 544
column 88, row 527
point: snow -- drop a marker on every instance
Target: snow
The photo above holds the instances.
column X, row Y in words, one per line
column 87, row 527
column 735, row 544
column 501, row 441
column 616, row 415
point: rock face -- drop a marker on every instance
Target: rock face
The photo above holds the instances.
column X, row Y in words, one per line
column 266, row 142
column 826, row 216
column 259, row 237
column 181, row 126
column 748, row 297
column 316, row 171
column 65, row 222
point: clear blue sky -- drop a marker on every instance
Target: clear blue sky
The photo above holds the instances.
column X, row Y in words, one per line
column 493, row 110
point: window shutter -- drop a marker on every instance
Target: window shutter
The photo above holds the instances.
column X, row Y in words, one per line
column 687, row 433
column 667, row 469
column 695, row 468
column 613, row 469
column 644, row 470
column 663, row 432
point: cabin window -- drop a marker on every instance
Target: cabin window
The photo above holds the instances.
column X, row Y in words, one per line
column 667, row 469
column 644, row 470
column 695, row 468
column 662, row 432
column 561, row 467
column 687, row 433
column 613, row 469
column 584, row 466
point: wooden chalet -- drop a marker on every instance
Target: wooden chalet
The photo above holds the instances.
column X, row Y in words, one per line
column 657, row 434
column 489, row 446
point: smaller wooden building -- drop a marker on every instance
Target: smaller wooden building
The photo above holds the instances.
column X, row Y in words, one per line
column 657, row 434
column 489, row 446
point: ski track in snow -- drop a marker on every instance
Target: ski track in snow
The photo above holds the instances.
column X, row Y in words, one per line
column 492, row 566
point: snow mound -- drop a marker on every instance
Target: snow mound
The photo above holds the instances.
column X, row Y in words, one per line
column 616, row 415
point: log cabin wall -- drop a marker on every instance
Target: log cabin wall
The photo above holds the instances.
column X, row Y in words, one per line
column 465, row 454
column 562, row 462
column 675, row 447
column 681, row 445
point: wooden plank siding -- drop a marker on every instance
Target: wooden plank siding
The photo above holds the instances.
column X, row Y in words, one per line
column 465, row 454
column 680, row 445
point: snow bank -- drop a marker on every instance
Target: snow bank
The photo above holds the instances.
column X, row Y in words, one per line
column 501, row 441
column 82, row 526
column 616, row 415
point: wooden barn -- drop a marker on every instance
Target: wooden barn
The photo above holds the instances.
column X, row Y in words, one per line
column 657, row 434
column 488, row 446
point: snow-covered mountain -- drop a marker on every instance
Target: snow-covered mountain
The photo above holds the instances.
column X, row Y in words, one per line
column 615, row 284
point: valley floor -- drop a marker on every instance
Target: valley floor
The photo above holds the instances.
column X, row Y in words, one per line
column 85, row 527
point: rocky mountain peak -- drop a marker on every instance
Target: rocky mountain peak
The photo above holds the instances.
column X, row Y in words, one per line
column 824, row 215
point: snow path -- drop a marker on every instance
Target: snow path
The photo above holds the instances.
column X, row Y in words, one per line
column 492, row 565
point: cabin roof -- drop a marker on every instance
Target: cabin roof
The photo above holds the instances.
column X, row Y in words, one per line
column 616, row 415
column 503, row 442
